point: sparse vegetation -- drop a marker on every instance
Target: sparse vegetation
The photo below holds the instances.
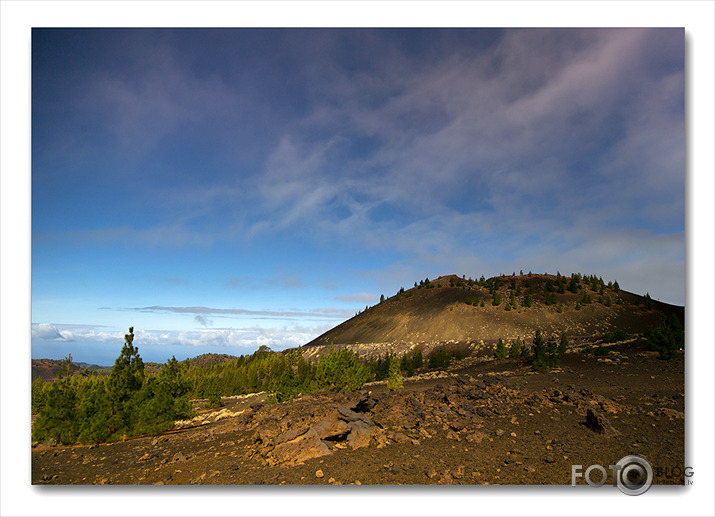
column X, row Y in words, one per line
column 601, row 350
column 614, row 337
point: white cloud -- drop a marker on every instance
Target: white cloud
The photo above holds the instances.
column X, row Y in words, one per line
column 57, row 332
column 45, row 331
column 236, row 340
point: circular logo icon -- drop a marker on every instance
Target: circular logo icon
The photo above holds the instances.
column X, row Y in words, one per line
column 634, row 475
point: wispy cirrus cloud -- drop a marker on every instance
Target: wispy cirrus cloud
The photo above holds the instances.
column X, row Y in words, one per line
column 327, row 313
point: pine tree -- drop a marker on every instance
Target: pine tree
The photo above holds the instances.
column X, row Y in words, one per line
column 553, row 356
column 58, row 419
column 526, row 301
column 539, row 361
column 417, row 359
column 127, row 374
column 515, row 348
column 648, row 301
column 563, row 344
column 500, row 352
column 395, row 375
column 405, row 362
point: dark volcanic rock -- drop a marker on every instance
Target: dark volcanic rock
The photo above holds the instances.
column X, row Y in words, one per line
column 596, row 421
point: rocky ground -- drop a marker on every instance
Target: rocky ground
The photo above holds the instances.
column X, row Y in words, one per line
column 481, row 422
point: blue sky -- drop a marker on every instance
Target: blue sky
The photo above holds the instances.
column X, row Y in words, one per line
column 224, row 189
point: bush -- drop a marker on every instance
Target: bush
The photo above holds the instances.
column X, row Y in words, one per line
column 613, row 337
column 601, row 350
column 417, row 360
column 500, row 352
column 439, row 359
column 214, row 401
column 526, row 301
column 394, row 380
column 340, row 370
column 515, row 348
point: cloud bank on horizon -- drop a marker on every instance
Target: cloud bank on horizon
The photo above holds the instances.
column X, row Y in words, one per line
column 228, row 185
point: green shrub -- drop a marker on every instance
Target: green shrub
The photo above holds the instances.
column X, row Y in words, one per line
column 340, row 370
column 417, row 360
column 601, row 350
column 526, row 301
column 439, row 359
column 515, row 348
column 500, row 351
column 394, row 380
column 613, row 337
column 214, row 401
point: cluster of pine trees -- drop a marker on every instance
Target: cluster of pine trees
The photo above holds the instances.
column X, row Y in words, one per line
column 126, row 403
column 382, row 366
column 666, row 339
column 543, row 354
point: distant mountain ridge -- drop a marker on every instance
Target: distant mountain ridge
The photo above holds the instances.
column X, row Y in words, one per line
column 47, row 369
column 452, row 308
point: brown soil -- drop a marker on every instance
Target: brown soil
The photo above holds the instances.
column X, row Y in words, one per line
column 489, row 422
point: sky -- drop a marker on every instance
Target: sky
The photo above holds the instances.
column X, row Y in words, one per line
column 223, row 189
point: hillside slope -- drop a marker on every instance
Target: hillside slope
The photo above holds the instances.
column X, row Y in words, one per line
column 440, row 312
